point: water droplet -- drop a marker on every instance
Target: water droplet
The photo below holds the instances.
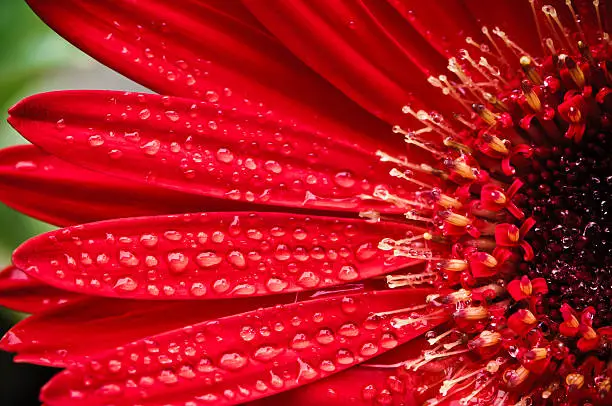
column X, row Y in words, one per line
column 144, row 114
column 327, row 366
column 212, row 96
column 232, row 361
column 368, row 349
column 348, row 330
column 308, row 279
column 26, row 165
column 366, row 251
column 149, row 240
column 115, row 154
column 348, row 273
column 167, row 377
column 344, row 179
column 348, row 305
column 151, row 148
column 344, row 357
column 198, row 289
column 236, row 258
column 282, row 252
column 221, row 285
column 325, row 336
column 300, row 234
column 60, row 124
column 300, row 342
column 266, row 353
column 208, row 259
column 96, row 140
column 126, row 284
column 247, row 333
column 244, row 289
column 388, row 341
column 172, row 115
column 177, row 261
column 276, row 285
column 273, row 166
column 173, row 235
column 225, row 155
column 128, row 259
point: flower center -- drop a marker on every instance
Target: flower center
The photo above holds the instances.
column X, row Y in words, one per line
column 514, row 202
column 569, row 194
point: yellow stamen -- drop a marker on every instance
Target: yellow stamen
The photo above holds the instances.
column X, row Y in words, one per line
column 473, row 313
column 574, row 380
column 530, row 71
column 515, row 377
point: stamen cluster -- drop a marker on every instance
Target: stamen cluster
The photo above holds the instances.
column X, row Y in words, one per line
column 516, row 221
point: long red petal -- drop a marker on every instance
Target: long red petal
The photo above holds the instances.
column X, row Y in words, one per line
column 204, row 148
column 379, row 381
column 366, row 49
column 210, row 255
column 201, row 49
column 65, row 335
column 444, row 24
column 52, row 190
column 20, row 292
column 243, row 357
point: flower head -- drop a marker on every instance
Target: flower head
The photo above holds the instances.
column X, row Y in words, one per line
column 263, row 231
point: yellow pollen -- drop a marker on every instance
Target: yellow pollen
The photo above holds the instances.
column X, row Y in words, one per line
column 536, row 354
column 451, row 143
column 454, row 265
column 513, row 234
column 497, row 144
column 485, row 114
column 487, row 339
column 573, row 322
column 528, row 317
column 526, row 287
column 531, row 97
column 473, row 313
column 530, row 71
column 575, row 72
column 489, row 261
column 515, row 377
column 574, row 115
column 456, row 219
column 500, row 198
column 589, row 334
column 574, row 380
column 463, row 169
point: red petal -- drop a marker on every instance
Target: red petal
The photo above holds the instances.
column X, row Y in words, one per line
column 378, row 381
column 210, row 255
column 445, row 25
column 366, row 49
column 515, row 18
column 240, row 358
column 204, row 50
column 63, row 336
column 20, row 292
column 204, row 148
column 57, row 192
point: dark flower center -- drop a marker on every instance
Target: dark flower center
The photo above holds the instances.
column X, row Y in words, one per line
column 568, row 193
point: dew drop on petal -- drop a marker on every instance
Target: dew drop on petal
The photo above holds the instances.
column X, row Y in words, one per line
column 348, row 273
column 198, row 289
column 177, row 261
column 208, row 259
column 144, row 114
column 126, row 284
column 96, row 140
column 232, row 361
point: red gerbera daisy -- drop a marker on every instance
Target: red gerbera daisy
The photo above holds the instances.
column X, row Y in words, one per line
column 461, row 258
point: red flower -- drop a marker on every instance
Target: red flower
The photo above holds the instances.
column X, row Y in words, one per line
column 468, row 265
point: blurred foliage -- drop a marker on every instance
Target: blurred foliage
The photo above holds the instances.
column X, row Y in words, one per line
column 30, row 53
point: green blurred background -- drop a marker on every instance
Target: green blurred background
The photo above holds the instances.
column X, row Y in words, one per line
column 33, row 59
